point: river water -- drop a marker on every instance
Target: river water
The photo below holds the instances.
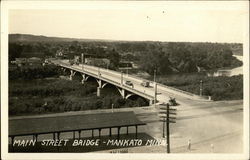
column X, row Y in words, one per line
column 228, row 72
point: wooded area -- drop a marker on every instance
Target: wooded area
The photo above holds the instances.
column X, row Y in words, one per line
column 165, row 57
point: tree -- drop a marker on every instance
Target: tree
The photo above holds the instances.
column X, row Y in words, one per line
column 114, row 58
column 15, row 51
column 155, row 60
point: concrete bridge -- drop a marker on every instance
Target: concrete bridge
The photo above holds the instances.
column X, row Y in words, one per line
column 155, row 93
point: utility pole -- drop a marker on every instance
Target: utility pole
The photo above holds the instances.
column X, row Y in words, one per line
column 127, row 70
column 167, row 127
column 155, row 75
column 99, row 73
column 82, row 61
column 155, row 86
column 165, row 115
column 155, row 96
column 121, row 78
column 163, row 128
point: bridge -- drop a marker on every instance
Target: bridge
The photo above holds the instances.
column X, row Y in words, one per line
column 155, row 93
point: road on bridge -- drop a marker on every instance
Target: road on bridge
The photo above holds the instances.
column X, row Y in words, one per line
column 163, row 93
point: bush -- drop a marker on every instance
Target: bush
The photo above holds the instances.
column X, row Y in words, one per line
column 220, row 88
column 30, row 73
column 29, row 97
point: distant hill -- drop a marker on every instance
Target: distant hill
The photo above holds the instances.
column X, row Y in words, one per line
column 40, row 38
column 125, row 46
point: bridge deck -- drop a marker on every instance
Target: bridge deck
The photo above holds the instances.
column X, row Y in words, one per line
column 35, row 126
column 109, row 81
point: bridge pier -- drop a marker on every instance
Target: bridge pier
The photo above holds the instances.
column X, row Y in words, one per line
column 98, row 93
column 99, row 88
column 122, row 92
column 64, row 70
column 151, row 102
column 72, row 73
column 83, row 78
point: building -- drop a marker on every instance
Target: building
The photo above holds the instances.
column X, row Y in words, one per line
column 33, row 61
column 20, row 61
column 100, row 62
column 61, row 54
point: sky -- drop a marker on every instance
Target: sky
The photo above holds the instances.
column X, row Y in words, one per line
column 157, row 21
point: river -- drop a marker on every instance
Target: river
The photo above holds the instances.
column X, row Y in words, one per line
column 229, row 72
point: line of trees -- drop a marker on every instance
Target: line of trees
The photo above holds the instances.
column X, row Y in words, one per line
column 219, row 88
column 39, row 96
column 166, row 57
column 187, row 57
column 30, row 72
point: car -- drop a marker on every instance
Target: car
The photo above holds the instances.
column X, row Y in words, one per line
column 129, row 83
column 172, row 101
column 71, row 62
column 145, row 84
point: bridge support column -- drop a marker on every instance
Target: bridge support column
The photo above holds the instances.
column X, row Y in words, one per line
column 122, row 92
column 98, row 93
column 72, row 73
column 83, row 78
column 64, row 70
column 151, row 102
column 99, row 88
column 99, row 83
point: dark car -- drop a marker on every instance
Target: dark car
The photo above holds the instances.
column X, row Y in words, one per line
column 71, row 62
column 129, row 83
column 145, row 84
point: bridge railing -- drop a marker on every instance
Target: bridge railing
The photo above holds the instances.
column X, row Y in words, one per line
column 169, row 89
column 110, row 81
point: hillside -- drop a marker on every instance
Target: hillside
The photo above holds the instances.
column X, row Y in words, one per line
column 237, row 48
column 40, row 38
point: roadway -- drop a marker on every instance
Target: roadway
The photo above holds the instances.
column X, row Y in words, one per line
column 163, row 92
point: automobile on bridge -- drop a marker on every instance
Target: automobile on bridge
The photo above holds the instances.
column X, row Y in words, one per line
column 145, row 84
column 129, row 83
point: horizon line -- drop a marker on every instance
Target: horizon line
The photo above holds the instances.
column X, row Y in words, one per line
column 117, row 40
